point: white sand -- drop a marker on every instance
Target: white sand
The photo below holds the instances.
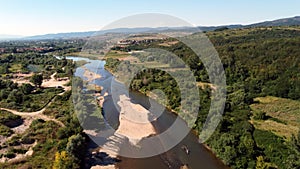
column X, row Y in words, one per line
column 134, row 120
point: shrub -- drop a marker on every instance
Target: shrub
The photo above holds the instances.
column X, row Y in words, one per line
column 260, row 115
column 10, row 155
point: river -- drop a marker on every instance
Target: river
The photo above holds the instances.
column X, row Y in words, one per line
column 199, row 156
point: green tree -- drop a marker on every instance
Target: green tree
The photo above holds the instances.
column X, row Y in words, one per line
column 37, row 79
column 75, row 145
column 4, row 69
column 15, row 97
column 27, row 88
column 295, row 140
column 293, row 161
column 259, row 115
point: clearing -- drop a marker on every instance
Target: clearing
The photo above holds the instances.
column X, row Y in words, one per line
column 283, row 115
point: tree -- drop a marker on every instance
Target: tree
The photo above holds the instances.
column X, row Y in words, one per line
column 260, row 115
column 37, row 79
column 293, row 161
column 262, row 164
column 295, row 140
column 229, row 155
column 4, row 69
column 15, row 96
column 63, row 161
column 76, row 144
column 237, row 98
column 26, row 88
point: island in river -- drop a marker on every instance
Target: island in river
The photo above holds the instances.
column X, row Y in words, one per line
column 132, row 118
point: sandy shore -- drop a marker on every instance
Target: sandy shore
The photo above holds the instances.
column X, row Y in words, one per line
column 104, row 167
column 91, row 76
column 134, row 125
column 134, row 120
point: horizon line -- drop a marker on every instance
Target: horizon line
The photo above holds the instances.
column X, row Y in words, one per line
column 15, row 36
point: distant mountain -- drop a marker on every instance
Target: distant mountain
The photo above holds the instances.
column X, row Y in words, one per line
column 279, row 22
column 211, row 28
column 61, row 35
column 92, row 33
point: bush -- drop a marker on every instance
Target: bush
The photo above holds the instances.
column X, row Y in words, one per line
column 10, row 155
column 19, row 151
column 273, row 147
column 76, row 144
column 63, row 161
column 27, row 140
column 5, row 131
column 259, row 115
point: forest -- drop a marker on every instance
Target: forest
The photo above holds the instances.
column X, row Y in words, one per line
column 258, row 62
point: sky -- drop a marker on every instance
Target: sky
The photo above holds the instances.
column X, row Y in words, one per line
column 35, row 17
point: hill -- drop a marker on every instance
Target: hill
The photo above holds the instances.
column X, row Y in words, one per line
column 101, row 32
column 279, row 22
column 259, row 63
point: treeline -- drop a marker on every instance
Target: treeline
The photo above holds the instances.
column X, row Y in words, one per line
column 29, row 62
column 57, row 46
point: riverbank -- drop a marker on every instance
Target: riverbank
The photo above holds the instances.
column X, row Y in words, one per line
column 205, row 147
column 134, row 125
column 196, row 133
column 174, row 158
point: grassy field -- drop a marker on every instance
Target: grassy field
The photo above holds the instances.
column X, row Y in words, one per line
column 116, row 54
column 283, row 115
column 124, row 56
column 15, row 68
column 92, row 55
column 153, row 64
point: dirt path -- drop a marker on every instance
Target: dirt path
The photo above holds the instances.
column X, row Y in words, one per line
column 39, row 114
column 21, row 78
column 52, row 82
column 30, row 116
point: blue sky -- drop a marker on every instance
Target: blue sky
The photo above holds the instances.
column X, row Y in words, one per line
column 31, row 17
